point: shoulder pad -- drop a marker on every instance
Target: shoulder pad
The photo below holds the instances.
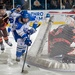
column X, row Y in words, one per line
column 18, row 25
column 32, row 18
column 12, row 10
column 17, row 19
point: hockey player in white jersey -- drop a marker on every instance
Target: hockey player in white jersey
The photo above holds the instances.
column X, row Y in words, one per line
column 16, row 11
column 12, row 16
column 22, row 32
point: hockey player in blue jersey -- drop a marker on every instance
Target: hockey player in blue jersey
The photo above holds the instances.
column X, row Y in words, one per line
column 22, row 33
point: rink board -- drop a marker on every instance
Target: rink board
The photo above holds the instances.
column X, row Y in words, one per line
column 47, row 62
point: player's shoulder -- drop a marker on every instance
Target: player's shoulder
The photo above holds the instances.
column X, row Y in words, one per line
column 32, row 18
column 18, row 23
column 17, row 19
column 12, row 10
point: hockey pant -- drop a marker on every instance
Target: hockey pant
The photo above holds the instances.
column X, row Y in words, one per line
column 21, row 48
column 3, row 33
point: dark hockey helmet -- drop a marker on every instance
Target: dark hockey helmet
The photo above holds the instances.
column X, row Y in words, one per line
column 73, row 7
column 18, row 6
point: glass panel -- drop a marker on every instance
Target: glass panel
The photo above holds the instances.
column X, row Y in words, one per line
column 24, row 3
column 67, row 4
column 9, row 3
column 53, row 4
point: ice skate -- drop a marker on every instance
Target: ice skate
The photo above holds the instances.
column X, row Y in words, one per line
column 18, row 59
column 9, row 43
column 2, row 48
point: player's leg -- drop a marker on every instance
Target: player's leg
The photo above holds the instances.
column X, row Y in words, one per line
column 1, row 41
column 20, row 49
column 5, row 36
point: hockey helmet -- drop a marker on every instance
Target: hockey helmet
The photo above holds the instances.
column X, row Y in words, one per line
column 24, row 14
column 18, row 6
column 47, row 15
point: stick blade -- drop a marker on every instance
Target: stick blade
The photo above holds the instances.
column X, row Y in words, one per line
column 24, row 71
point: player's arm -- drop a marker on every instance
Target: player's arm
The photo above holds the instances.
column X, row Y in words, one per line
column 33, row 29
column 23, row 35
column 20, row 32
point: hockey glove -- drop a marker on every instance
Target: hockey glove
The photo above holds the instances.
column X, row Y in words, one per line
column 25, row 36
column 35, row 26
column 9, row 29
column 30, row 32
column 28, row 42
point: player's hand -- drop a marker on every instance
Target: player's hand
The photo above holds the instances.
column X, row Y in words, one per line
column 28, row 42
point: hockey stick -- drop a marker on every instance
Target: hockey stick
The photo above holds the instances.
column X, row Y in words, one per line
column 24, row 60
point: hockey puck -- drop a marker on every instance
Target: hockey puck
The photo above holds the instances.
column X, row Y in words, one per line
column 28, row 66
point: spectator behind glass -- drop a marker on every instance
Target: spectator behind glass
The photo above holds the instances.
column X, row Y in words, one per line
column 1, row 1
column 38, row 4
column 23, row 3
column 53, row 4
column 67, row 4
column 73, row 8
column 19, row 2
column 58, row 4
